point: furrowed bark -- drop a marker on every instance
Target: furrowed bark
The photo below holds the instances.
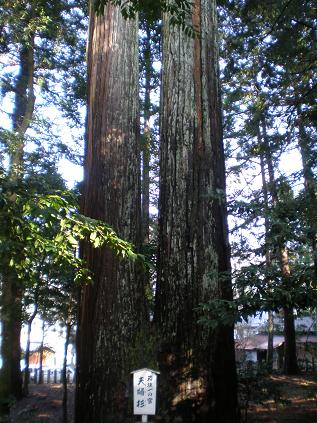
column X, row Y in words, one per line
column 197, row 365
column 112, row 306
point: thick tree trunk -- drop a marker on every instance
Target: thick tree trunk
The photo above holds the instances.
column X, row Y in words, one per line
column 290, row 354
column 198, row 380
column 11, row 316
column 112, row 307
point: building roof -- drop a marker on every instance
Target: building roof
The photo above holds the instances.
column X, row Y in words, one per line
column 259, row 342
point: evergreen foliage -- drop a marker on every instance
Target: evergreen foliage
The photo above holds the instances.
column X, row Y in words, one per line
column 268, row 74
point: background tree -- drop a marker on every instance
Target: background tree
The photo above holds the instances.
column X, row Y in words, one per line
column 262, row 85
column 149, row 58
column 31, row 33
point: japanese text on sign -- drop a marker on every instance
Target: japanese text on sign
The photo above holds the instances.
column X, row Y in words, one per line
column 144, row 391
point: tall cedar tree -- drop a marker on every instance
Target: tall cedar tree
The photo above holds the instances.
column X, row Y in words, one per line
column 197, row 364
column 111, row 307
column 268, row 252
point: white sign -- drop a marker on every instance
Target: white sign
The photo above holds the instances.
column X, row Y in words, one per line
column 144, row 391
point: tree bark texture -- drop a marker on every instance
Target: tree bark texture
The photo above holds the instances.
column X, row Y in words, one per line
column 11, row 317
column 112, row 306
column 198, row 381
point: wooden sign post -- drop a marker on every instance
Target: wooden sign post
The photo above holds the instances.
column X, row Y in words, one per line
column 144, row 393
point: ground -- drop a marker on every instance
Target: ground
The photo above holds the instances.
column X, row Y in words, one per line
column 274, row 399
column 43, row 405
column 287, row 399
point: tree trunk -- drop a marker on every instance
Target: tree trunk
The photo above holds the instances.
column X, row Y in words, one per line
column 11, row 315
column 65, row 414
column 270, row 328
column 27, row 353
column 290, row 359
column 290, row 356
column 198, row 380
column 12, row 287
column 41, row 377
column 270, row 339
column 112, row 307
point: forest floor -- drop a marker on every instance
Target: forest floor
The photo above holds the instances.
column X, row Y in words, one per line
column 275, row 399
column 285, row 399
column 43, row 405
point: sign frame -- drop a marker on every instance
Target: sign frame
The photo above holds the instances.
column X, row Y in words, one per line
column 144, row 392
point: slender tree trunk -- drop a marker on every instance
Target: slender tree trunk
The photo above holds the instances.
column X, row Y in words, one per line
column 270, row 340
column 270, row 329
column 12, row 288
column 41, row 378
column 27, row 353
column 290, row 359
column 112, row 307
column 198, row 380
column 65, row 393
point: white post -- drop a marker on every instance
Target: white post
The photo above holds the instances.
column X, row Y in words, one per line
column 144, row 418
